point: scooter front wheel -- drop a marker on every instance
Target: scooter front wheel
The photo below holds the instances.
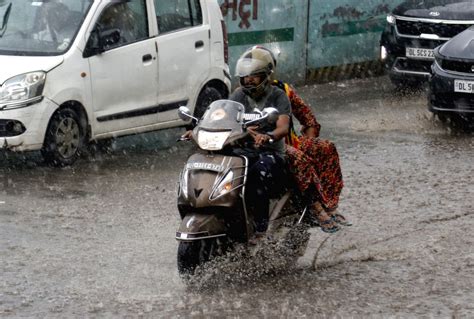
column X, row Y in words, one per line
column 194, row 253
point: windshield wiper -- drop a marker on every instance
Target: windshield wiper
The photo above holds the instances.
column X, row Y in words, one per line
column 6, row 16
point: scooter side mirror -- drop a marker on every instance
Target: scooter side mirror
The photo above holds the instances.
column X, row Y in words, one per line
column 185, row 114
column 271, row 114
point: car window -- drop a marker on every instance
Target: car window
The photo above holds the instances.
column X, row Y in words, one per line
column 128, row 18
column 177, row 14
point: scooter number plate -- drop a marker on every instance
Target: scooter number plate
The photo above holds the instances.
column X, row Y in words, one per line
column 205, row 166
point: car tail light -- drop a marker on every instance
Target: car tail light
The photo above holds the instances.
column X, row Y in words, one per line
column 226, row 42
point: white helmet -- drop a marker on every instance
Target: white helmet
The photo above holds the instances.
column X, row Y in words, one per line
column 257, row 61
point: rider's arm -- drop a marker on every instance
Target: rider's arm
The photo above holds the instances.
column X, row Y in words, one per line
column 282, row 128
column 281, row 102
column 280, row 131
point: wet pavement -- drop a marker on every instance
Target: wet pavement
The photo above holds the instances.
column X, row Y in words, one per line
column 97, row 240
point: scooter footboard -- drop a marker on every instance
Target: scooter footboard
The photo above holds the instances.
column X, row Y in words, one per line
column 200, row 226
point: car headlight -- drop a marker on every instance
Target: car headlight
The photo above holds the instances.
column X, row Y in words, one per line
column 212, row 141
column 391, row 19
column 383, row 53
column 22, row 88
column 224, row 187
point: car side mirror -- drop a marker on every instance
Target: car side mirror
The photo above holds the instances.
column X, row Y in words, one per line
column 99, row 41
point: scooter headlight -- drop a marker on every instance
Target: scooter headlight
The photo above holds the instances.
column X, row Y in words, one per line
column 224, row 187
column 212, row 141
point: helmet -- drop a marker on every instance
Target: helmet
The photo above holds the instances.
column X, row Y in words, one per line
column 256, row 61
column 269, row 51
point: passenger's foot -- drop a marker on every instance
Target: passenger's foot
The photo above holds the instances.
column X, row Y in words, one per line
column 340, row 219
column 327, row 224
column 257, row 238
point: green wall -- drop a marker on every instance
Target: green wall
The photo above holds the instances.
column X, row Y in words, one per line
column 277, row 24
column 345, row 31
column 308, row 34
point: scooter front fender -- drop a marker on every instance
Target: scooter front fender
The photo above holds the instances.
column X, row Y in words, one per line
column 200, row 226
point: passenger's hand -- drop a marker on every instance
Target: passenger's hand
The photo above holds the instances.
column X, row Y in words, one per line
column 310, row 132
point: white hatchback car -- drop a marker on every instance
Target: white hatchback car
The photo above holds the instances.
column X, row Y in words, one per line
column 73, row 71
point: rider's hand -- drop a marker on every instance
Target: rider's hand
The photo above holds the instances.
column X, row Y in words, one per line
column 259, row 138
column 187, row 135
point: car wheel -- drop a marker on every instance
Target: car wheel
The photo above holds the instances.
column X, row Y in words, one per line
column 461, row 123
column 442, row 117
column 207, row 96
column 64, row 138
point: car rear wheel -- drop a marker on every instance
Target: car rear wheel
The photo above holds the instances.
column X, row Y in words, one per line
column 207, row 96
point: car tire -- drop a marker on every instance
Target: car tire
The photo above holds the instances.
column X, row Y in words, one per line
column 461, row 123
column 443, row 118
column 64, row 138
column 207, row 96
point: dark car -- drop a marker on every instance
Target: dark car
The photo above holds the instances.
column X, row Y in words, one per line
column 414, row 29
column 452, row 82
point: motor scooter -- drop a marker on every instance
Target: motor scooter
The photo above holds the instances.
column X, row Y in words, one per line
column 212, row 189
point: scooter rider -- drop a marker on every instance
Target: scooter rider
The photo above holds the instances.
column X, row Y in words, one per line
column 266, row 176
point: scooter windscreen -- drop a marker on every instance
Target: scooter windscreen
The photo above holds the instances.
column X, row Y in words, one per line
column 221, row 123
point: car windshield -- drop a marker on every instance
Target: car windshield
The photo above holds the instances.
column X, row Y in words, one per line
column 45, row 27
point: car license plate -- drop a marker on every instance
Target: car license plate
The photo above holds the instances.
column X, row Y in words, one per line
column 417, row 53
column 463, row 86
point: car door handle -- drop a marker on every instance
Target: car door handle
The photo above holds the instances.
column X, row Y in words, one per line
column 199, row 44
column 147, row 57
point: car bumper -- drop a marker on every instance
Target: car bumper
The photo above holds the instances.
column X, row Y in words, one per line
column 34, row 118
column 443, row 98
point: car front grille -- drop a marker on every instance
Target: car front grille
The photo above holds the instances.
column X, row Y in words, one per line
column 416, row 28
column 413, row 65
column 457, row 66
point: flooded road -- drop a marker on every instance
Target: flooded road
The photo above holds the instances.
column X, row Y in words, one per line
column 97, row 239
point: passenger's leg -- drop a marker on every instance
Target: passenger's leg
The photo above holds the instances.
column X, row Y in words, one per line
column 325, row 160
